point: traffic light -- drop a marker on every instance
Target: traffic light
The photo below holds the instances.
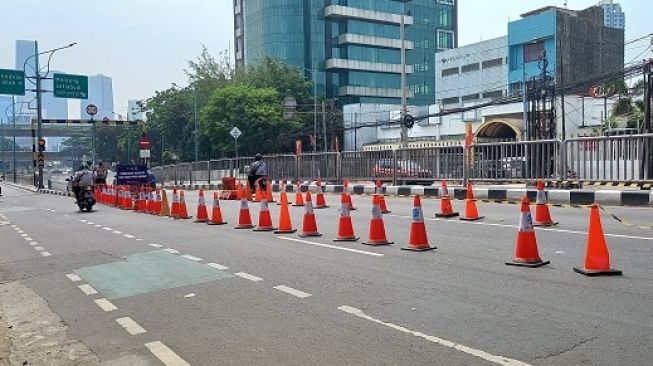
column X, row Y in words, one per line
column 409, row 121
column 41, row 145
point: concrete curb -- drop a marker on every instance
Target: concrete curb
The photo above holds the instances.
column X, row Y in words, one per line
column 555, row 196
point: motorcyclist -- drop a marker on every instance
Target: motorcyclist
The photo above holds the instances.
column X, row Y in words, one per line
column 83, row 178
column 258, row 170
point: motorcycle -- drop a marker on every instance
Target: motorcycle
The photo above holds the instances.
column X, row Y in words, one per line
column 86, row 199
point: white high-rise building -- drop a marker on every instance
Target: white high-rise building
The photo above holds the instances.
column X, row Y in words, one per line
column 100, row 93
column 134, row 110
column 613, row 15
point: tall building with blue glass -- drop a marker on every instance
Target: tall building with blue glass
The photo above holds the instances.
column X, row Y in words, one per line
column 352, row 48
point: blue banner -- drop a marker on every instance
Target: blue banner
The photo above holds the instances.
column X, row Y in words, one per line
column 131, row 174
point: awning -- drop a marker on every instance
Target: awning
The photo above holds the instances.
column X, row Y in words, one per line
column 503, row 129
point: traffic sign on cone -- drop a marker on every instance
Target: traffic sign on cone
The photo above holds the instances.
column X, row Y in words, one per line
column 526, row 252
column 345, row 226
column 202, row 213
column 320, row 201
column 285, row 223
column 299, row 198
column 471, row 212
column 597, row 255
column 244, row 218
column 183, row 211
column 309, row 225
column 542, row 214
column 377, row 227
column 417, row 239
column 216, row 212
column 446, row 210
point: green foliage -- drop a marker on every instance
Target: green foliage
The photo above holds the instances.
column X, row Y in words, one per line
column 256, row 112
column 8, row 145
column 287, row 80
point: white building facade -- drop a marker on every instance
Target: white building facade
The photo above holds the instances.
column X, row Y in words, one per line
column 613, row 14
column 100, row 93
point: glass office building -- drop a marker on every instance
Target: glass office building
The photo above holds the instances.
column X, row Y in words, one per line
column 351, row 47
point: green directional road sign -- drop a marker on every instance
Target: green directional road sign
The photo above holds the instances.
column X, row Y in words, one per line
column 70, row 86
column 12, row 82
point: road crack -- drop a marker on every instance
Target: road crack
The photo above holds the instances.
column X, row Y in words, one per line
column 571, row 348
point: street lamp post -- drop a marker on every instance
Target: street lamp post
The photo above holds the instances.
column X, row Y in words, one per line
column 39, row 91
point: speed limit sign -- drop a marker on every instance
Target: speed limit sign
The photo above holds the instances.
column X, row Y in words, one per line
column 91, row 109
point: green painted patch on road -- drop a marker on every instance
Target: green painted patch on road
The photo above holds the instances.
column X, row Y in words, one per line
column 147, row 272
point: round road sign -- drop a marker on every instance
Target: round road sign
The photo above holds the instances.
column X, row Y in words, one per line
column 91, row 109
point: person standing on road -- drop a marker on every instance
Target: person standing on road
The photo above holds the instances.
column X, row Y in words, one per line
column 258, row 170
column 100, row 173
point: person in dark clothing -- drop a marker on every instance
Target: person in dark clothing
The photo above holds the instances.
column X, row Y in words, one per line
column 258, row 170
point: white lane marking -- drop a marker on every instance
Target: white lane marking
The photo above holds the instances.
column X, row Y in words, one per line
column 292, row 291
column 171, row 251
column 82, row 220
column 39, row 248
column 565, row 231
column 130, row 326
column 33, row 243
column 107, row 228
column 117, row 232
column 87, row 289
column 248, row 276
column 188, row 256
column 28, row 238
column 14, row 226
column 129, row 236
column 217, row 266
column 443, row 342
column 105, row 304
column 167, row 356
column 189, row 295
column 98, row 225
column 331, row 246
column 23, row 234
column 91, row 223
column 73, row 277
column 156, row 245
column 46, row 254
column 139, row 239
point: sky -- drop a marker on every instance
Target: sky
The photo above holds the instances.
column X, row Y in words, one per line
column 144, row 45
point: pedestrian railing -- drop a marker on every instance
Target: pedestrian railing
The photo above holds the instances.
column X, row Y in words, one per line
column 606, row 159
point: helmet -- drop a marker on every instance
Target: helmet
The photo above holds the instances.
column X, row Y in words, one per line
column 258, row 157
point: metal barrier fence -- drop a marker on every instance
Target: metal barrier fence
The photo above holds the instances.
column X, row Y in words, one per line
column 606, row 159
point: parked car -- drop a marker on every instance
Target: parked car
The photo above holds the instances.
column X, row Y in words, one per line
column 405, row 170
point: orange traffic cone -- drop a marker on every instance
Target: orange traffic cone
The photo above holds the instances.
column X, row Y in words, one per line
column 282, row 188
column 345, row 226
column 319, row 201
column 269, row 195
column 377, row 227
column 174, row 211
column 285, row 223
column 446, row 211
column 165, row 208
column 149, row 201
column 157, row 202
column 244, row 218
column 299, row 198
column 417, row 239
column 379, row 191
column 216, row 214
column 471, row 212
column 444, row 191
column 264, row 218
column 349, row 199
column 597, row 256
column 142, row 202
column 309, row 226
column 202, row 213
column 183, row 212
column 258, row 195
column 542, row 214
column 526, row 253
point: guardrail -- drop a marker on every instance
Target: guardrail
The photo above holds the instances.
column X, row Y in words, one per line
column 612, row 159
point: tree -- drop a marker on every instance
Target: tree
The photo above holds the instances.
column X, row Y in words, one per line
column 286, row 79
column 255, row 111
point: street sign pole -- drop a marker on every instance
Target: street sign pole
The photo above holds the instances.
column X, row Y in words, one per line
column 91, row 110
column 39, row 112
column 13, row 114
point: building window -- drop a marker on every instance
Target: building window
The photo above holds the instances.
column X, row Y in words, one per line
column 445, row 39
column 492, row 63
column 445, row 18
column 493, row 94
column 470, row 67
column 469, row 97
column 449, row 72
column 452, row 100
column 447, row 2
column 533, row 52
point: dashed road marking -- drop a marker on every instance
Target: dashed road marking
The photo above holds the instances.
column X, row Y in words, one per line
column 107, row 228
column 248, row 276
column 167, row 356
column 292, row 291
column 39, row 248
column 139, row 239
column 156, row 245
column 23, row 234
column 130, row 326
column 129, row 236
column 443, row 342
column 87, row 289
column 105, row 304
column 332, row 246
column 171, row 251
column 28, row 238
column 217, row 266
column 188, row 256
column 73, row 277
column 117, row 232
column 46, row 254
column 98, row 225
column 33, row 243
column 82, row 220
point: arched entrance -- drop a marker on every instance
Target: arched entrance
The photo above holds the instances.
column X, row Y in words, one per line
column 499, row 130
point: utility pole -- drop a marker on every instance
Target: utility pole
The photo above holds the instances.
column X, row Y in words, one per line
column 403, row 113
column 314, row 112
column 197, row 130
column 39, row 112
column 13, row 114
column 562, row 101
column 324, row 131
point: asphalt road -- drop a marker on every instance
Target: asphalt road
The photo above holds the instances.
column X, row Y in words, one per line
column 212, row 295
